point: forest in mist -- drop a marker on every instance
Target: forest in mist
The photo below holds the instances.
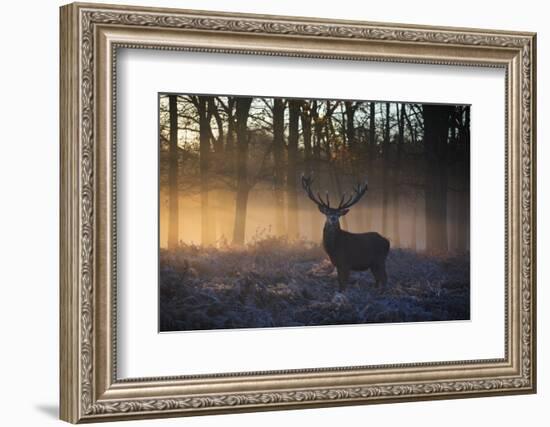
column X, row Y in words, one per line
column 230, row 168
column 241, row 239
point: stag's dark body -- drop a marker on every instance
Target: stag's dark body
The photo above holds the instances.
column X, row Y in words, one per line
column 350, row 251
column 355, row 252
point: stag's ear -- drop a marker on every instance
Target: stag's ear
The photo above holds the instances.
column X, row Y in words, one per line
column 344, row 211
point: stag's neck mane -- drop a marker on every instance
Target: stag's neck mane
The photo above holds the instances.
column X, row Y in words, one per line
column 330, row 234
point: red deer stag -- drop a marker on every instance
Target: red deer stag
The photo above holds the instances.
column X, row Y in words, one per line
column 350, row 251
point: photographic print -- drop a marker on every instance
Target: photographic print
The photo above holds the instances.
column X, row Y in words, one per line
column 282, row 212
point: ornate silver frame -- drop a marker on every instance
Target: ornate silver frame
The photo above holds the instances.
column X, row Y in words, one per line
column 90, row 35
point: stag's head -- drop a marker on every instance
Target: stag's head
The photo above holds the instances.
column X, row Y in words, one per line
column 333, row 213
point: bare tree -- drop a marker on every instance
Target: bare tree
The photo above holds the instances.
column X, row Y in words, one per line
column 397, row 170
column 278, row 156
column 386, row 172
column 371, row 152
column 436, row 131
column 241, row 202
column 227, row 164
column 173, row 193
column 207, row 226
column 292, row 170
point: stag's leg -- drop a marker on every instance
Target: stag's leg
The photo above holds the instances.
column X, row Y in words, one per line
column 379, row 273
column 376, row 273
column 343, row 276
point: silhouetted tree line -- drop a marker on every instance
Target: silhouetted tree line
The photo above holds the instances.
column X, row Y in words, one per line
column 219, row 145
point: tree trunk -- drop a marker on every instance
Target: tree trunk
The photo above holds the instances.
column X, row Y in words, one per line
column 343, row 127
column 219, row 141
column 463, row 212
column 243, row 189
column 436, row 130
column 230, row 138
column 386, row 173
column 412, row 130
column 316, row 169
column 305, row 117
column 173, row 193
column 371, row 150
column 292, row 196
column 372, row 124
column 397, row 172
column 216, row 195
column 350, row 125
column 207, row 228
column 227, row 198
column 278, row 157
column 307, row 132
column 325, row 130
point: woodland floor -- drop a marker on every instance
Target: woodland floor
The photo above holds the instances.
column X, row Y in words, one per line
column 274, row 283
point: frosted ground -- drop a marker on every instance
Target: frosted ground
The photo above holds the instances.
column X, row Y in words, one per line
column 273, row 283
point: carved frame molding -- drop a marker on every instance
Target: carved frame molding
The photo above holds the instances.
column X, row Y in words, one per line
column 90, row 36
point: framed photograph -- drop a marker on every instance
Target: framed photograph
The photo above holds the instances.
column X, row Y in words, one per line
column 266, row 212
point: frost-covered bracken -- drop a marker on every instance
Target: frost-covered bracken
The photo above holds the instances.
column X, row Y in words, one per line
column 274, row 283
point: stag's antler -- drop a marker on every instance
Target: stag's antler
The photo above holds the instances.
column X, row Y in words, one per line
column 318, row 200
column 345, row 203
column 359, row 191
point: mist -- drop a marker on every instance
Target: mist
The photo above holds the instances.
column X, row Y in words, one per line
column 261, row 220
column 230, row 169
